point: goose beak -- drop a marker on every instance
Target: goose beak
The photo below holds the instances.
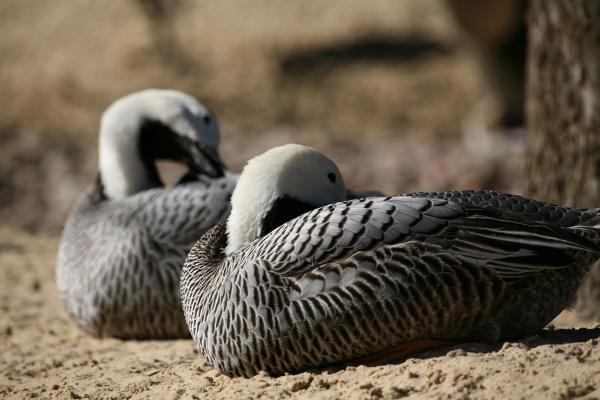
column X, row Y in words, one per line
column 205, row 161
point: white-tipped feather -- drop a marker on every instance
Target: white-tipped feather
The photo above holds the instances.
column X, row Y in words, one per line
column 291, row 170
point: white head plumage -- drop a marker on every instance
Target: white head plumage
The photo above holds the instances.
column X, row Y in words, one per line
column 293, row 171
column 121, row 166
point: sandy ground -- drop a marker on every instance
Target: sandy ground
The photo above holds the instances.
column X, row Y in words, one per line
column 43, row 355
column 407, row 118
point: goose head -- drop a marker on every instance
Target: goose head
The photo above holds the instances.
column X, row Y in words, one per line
column 277, row 186
column 149, row 125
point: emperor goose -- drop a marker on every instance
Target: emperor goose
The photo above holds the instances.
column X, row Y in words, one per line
column 126, row 238
column 298, row 278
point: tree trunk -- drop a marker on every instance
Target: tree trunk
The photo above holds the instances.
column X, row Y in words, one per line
column 563, row 113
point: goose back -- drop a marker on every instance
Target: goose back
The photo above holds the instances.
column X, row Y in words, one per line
column 120, row 260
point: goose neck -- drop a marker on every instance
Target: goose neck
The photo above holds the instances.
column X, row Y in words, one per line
column 122, row 169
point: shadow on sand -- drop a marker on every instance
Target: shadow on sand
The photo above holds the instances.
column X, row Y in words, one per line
column 545, row 337
column 370, row 48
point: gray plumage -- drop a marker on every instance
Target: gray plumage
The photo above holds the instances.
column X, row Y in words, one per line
column 123, row 248
column 355, row 278
column 579, row 220
column 120, row 261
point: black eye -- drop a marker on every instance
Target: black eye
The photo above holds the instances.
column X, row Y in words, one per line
column 206, row 119
column 331, row 176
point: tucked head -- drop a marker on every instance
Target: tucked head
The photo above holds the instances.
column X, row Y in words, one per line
column 277, row 186
column 153, row 124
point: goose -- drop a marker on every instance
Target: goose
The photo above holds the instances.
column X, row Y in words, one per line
column 127, row 236
column 298, row 277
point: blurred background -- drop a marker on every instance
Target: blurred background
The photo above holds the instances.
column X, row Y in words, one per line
column 412, row 95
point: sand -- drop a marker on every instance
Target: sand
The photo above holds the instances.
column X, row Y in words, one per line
column 65, row 61
column 43, row 355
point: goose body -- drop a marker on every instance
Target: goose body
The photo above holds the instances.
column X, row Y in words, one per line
column 127, row 236
column 354, row 278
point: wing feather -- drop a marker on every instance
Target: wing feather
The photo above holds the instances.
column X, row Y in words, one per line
column 487, row 237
